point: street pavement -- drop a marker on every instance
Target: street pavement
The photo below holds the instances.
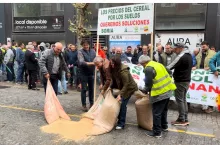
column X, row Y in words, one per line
column 21, row 116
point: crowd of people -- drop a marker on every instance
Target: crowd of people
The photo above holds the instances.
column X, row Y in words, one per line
column 72, row 65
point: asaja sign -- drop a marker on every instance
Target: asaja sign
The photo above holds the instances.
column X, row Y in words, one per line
column 131, row 19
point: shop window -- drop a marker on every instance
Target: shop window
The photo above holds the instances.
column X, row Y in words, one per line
column 171, row 16
column 37, row 9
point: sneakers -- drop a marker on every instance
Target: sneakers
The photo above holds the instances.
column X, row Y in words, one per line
column 118, row 128
column 209, row 110
column 165, row 130
column 151, row 134
column 59, row 93
column 187, row 122
column 180, row 123
column 66, row 92
column 84, row 108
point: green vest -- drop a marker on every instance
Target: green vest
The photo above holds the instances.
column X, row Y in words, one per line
column 162, row 82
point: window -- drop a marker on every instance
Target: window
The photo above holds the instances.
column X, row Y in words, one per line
column 171, row 16
column 60, row 7
column 37, row 9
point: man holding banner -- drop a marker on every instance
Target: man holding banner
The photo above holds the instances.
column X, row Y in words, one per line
column 182, row 66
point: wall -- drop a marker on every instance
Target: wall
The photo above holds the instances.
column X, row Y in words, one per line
column 2, row 24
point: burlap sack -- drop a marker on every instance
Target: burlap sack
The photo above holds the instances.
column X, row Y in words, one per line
column 52, row 108
column 107, row 117
column 95, row 109
column 144, row 113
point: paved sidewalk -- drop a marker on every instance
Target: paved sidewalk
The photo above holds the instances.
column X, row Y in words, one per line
column 21, row 112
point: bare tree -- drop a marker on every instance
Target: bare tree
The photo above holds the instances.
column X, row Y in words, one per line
column 79, row 25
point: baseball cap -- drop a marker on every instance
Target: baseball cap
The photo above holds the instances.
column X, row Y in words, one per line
column 179, row 45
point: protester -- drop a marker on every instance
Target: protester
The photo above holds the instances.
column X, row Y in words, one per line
column 203, row 59
column 160, row 85
column 195, row 53
column 182, row 66
column 128, row 53
column 71, row 60
column 105, row 49
column 34, row 43
column 159, row 55
column 52, row 64
column 137, row 53
column 52, row 46
column 213, row 48
column 47, row 45
column 87, row 68
column 122, row 80
column 20, row 59
column 169, row 55
column 104, row 67
column 122, row 56
column 100, row 51
column 31, row 64
column 214, row 63
column 9, row 61
column 3, row 52
column 112, row 53
column 15, row 46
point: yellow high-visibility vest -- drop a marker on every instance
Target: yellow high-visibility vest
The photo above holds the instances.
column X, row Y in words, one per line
column 162, row 82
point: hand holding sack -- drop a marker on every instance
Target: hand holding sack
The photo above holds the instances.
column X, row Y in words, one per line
column 52, row 108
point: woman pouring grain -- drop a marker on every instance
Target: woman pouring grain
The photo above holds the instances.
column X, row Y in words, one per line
column 122, row 80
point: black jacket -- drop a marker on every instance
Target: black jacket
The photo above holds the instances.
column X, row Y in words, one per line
column 182, row 68
column 30, row 60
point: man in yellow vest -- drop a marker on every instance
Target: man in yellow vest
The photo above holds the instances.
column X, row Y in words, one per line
column 159, row 85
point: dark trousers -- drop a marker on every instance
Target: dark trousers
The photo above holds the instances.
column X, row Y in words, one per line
column 32, row 79
column 73, row 76
column 159, row 110
column 87, row 80
column 54, row 83
column 123, row 112
column 180, row 95
column 10, row 71
column 20, row 72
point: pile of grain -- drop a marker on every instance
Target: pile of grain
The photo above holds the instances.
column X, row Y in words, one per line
column 70, row 130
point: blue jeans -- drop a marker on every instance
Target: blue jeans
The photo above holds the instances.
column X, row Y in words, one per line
column 123, row 112
column 3, row 68
column 87, row 80
column 73, row 72
column 16, row 69
column 20, row 72
column 63, row 82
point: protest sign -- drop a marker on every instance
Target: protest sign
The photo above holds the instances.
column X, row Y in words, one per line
column 130, row 19
column 204, row 86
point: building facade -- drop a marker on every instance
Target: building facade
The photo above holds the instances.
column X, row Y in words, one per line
column 190, row 23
